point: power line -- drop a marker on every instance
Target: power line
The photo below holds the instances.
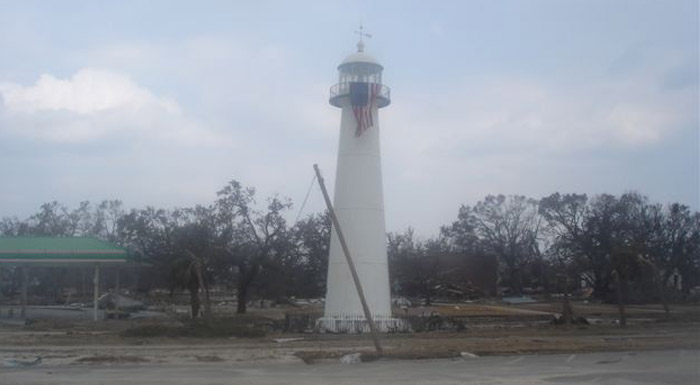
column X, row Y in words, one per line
column 301, row 209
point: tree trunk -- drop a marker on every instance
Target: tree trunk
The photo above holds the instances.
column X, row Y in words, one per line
column 207, row 302
column 664, row 302
column 246, row 277
column 600, row 289
column 202, row 284
column 567, row 310
column 194, row 301
column 544, row 281
column 515, row 280
column 620, row 301
column 242, row 297
column 660, row 286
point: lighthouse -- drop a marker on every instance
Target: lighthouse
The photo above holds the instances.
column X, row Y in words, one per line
column 358, row 200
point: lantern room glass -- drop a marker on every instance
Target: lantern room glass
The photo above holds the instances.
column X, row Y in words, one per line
column 360, row 72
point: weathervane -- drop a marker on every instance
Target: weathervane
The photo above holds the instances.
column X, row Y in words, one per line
column 361, row 43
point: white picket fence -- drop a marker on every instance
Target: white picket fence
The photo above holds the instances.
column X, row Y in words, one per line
column 356, row 323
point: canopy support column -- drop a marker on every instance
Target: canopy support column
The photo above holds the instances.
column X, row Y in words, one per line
column 0, row 292
column 23, row 293
column 96, row 291
column 116, row 289
column 117, row 283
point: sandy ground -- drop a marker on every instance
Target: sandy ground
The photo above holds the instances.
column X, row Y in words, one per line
column 673, row 367
column 500, row 335
column 104, row 348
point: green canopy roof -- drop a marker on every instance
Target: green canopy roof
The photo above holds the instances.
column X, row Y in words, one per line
column 59, row 250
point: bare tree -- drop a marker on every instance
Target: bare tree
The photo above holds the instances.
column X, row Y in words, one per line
column 250, row 238
column 415, row 266
column 505, row 227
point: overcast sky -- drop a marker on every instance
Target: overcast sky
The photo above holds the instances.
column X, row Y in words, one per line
column 163, row 102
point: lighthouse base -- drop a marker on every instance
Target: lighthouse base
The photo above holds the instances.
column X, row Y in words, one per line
column 356, row 323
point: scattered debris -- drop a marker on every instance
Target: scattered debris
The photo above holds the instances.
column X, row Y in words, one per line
column 401, row 302
column 19, row 363
column 468, row 355
column 434, row 321
column 282, row 340
column 458, row 291
column 117, row 301
column 354, row 358
column 518, row 300
column 559, row 319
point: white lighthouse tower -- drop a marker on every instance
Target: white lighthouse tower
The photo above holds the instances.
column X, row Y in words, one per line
column 358, row 200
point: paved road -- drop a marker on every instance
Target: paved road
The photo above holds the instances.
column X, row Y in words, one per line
column 660, row 367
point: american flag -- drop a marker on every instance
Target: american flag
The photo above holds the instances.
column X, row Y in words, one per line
column 362, row 98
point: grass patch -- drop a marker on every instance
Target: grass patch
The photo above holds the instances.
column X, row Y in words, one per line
column 244, row 327
column 99, row 359
column 212, row 358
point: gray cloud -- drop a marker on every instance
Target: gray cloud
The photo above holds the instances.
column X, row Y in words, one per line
column 594, row 98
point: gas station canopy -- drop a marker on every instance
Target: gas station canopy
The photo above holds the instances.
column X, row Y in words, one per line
column 59, row 250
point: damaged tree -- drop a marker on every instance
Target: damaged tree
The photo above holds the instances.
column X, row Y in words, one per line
column 505, row 227
column 250, row 239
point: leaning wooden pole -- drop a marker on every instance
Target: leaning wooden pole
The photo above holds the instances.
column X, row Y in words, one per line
column 351, row 265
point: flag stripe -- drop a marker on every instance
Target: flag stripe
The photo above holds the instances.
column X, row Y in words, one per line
column 363, row 98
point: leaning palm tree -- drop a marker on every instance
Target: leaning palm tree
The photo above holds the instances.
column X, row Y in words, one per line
column 186, row 273
column 184, row 277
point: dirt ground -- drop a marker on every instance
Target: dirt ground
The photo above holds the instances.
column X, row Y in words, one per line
column 671, row 367
column 491, row 329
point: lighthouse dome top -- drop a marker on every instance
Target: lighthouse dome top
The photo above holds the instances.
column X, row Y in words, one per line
column 359, row 57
